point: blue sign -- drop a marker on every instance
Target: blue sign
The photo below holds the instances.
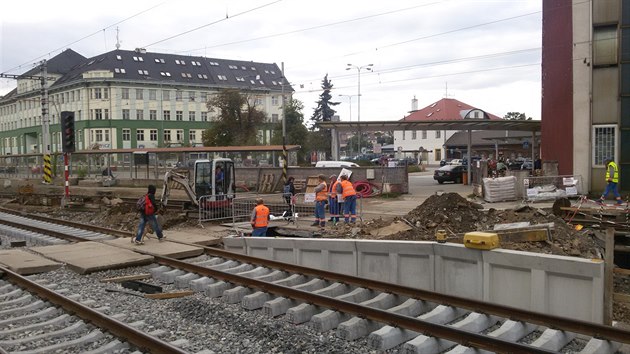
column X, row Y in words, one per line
column 525, row 144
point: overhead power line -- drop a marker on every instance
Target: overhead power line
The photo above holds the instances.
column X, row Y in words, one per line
column 32, row 61
column 213, row 23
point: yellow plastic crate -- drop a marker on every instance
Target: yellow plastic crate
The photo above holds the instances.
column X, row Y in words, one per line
column 481, row 240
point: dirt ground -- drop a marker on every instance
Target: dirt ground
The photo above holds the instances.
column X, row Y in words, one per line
column 449, row 211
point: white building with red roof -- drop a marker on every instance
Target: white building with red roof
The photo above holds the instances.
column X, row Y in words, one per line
column 430, row 144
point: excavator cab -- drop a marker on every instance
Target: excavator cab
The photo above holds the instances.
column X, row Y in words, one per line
column 214, row 179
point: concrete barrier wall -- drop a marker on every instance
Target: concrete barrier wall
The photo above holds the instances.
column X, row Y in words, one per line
column 564, row 286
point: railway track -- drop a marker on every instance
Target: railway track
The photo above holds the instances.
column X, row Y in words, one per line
column 388, row 315
column 62, row 324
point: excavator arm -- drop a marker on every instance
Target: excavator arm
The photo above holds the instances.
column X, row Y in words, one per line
column 171, row 179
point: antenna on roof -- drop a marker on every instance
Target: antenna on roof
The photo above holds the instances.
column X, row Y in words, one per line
column 446, row 90
column 117, row 39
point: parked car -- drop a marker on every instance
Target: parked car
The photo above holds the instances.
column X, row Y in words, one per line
column 455, row 162
column 449, row 173
column 335, row 164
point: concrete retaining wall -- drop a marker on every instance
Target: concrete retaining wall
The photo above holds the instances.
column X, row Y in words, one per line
column 564, row 286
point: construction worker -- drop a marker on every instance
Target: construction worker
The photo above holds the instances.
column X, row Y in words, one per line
column 349, row 195
column 260, row 219
column 321, row 198
column 612, row 179
column 333, row 205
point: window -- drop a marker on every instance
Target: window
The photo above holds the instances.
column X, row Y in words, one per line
column 204, row 116
column 143, row 72
column 604, row 139
column 99, row 135
column 203, row 96
column 153, row 114
column 438, row 154
column 178, row 95
column 202, row 76
column 214, row 63
column 274, row 118
column 139, row 94
column 258, row 101
column 96, row 93
column 167, row 135
column 222, row 77
column 605, row 45
column 140, row 135
column 106, row 135
column 126, row 134
column 179, row 115
column 165, row 73
column 167, row 115
column 106, row 113
column 120, row 71
column 191, row 116
column 139, row 114
column 125, row 114
column 166, row 95
column 424, row 134
column 153, row 134
column 118, row 57
column 240, row 79
column 414, row 135
column 191, row 96
column 438, row 134
column 192, row 136
column 274, row 100
column 403, row 137
column 233, row 67
column 98, row 114
column 152, row 95
column 124, row 93
column 180, row 135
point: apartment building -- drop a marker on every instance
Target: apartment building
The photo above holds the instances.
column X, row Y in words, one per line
column 133, row 99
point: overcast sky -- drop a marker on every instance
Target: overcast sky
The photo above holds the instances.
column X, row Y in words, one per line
column 484, row 53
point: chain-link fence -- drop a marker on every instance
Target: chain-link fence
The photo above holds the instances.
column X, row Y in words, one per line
column 552, row 187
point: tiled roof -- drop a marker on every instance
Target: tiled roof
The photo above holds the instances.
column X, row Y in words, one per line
column 444, row 109
column 180, row 69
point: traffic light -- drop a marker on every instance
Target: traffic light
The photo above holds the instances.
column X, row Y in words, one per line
column 67, row 131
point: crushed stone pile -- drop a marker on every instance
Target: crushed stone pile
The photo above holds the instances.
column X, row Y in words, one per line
column 452, row 212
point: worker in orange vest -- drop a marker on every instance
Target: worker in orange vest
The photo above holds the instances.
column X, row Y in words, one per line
column 349, row 195
column 260, row 219
column 333, row 204
column 321, row 198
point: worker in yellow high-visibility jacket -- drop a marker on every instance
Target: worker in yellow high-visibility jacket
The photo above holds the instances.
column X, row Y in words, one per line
column 612, row 179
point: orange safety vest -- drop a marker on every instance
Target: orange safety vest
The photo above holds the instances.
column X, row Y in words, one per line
column 323, row 194
column 333, row 190
column 348, row 189
column 262, row 216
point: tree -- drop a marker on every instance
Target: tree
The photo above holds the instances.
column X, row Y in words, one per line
column 353, row 144
column 238, row 120
column 516, row 116
column 297, row 133
column 324, row 112
column 321, row 138
column 385, row 138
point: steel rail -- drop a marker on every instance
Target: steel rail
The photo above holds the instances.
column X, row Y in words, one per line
column 43, row 231
column 437, row 330
column 136, row 337
column 557, row 322
column 103, row 230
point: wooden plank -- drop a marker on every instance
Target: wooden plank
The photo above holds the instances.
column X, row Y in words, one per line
column 169, row 295
column 125, row 278
column 609, row 265
column 621, row 271
column 625, row 298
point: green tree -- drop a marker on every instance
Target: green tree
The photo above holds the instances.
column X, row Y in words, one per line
column 353, row 144
column 385, row 138
column 238, row 120
column 321, row 138
column 297, row 133
column 516, row 116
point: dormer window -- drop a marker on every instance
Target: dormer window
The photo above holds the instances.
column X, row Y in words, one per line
column 118, row 57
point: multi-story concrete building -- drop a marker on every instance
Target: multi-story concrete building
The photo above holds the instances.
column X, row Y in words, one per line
column 431, row 143
column 586, row 88
column 133, row 99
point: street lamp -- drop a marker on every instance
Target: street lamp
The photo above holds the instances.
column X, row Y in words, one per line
column 367, row 67
column 350, row 103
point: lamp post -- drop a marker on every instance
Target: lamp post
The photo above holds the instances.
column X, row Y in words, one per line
column 367, row 67
column 350, row 103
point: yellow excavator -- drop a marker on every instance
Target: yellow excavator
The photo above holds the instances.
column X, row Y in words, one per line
column 212, row 184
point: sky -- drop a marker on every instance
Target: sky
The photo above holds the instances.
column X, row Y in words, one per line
column 486, row 53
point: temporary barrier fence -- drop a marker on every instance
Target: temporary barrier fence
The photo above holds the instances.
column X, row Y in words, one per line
column 552, row 187
column 291, row 209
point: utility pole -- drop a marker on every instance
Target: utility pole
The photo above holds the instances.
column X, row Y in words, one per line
column 45, row 124
column 285, row 160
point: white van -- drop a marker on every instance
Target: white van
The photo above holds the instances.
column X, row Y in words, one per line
column 336, row 164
